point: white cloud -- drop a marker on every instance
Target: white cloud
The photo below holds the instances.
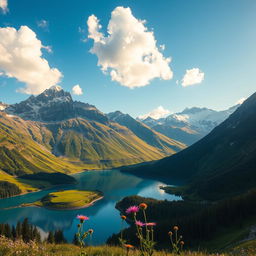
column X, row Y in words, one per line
column 21, row 58
column 4, row 6
column 192, row 76
column 77, row 90
column 43, row 24
column 241, row 101
column 157, row 113
column 129, row 52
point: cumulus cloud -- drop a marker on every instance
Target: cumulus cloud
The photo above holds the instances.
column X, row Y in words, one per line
column 77, row 90
column 241, row 101
column 129, row 52
column 43, row 24
column 4, row 6
column 157, row 113
column 21, row 58
column 192, row 76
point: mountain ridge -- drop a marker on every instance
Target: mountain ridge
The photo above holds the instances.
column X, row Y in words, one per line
column 220, row 164
column 191, row 124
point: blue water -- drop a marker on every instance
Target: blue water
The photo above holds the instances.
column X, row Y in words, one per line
column 104, row 218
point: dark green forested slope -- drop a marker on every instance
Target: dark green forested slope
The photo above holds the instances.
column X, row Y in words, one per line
column 221, row 164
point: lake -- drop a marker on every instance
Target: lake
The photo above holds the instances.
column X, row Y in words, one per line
column 104, row 218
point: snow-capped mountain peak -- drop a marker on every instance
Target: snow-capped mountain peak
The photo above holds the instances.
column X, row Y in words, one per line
column 3, row 106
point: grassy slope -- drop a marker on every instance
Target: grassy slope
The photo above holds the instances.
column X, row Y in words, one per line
column 20, row 154
column 69, row 199
column 26, row 147
column 163, row 143
column 98, row 143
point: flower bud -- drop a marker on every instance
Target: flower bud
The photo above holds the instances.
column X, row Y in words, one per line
column 176, row 228
column 143, row 206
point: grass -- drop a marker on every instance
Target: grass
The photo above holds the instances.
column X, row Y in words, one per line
column 10, row 248
column 69, row 199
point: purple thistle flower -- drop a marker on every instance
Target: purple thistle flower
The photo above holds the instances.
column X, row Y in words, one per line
column 139, row 223
column 132, row 209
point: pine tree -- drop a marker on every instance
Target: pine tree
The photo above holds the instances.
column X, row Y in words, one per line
column 59, row 237
column 18, row 230
column 14, row 234
column 7, row 231
column 36, row 235
column 50, row 238
column 26, row 231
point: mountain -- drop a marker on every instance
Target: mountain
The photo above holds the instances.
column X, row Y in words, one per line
column 145, row 133
column 80, row 131
column 55, row 104
column 53, row 133
column 221, row 164
column 3, row 106
column 190, row 125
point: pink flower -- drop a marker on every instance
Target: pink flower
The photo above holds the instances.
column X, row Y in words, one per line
column 132, row 209
column 139, row 223
column 82, row 217
column 150, row 224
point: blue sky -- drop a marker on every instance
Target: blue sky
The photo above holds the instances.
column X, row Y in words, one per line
column 218, row 37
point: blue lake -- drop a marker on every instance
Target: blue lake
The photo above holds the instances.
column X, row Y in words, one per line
column 104, row 218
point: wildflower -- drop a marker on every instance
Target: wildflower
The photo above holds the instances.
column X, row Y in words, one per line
column 123, row 217
column 150, row 224
column 139, row 223
column 128, row 246
column 182, row 242
column 170, row 233
column 82, row 217
column 176, row 228
column 132, row 209
column 143, row 206
column 90, row 231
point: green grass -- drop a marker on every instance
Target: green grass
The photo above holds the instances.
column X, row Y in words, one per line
column 9, row 248
column 69, row 199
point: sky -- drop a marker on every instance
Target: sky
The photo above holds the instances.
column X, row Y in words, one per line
column 136, row 56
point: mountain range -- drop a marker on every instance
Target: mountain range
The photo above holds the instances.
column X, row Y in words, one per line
column 51, row 132
column 222, row 164
column 190, row 125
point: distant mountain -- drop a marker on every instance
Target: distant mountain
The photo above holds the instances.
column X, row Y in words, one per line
column 189, row 125
column 221, row 164
column 3, row 106
column 145, row 133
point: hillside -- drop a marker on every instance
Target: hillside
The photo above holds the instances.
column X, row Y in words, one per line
column 145, row 133
column 20, row 154
column 221, row 164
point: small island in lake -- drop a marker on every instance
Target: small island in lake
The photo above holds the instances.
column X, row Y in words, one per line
column 68, row 199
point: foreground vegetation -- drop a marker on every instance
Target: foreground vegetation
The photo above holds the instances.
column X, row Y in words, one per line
column 68, row 199
column 19, row 248
column 204, row 225
column 25, row 239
